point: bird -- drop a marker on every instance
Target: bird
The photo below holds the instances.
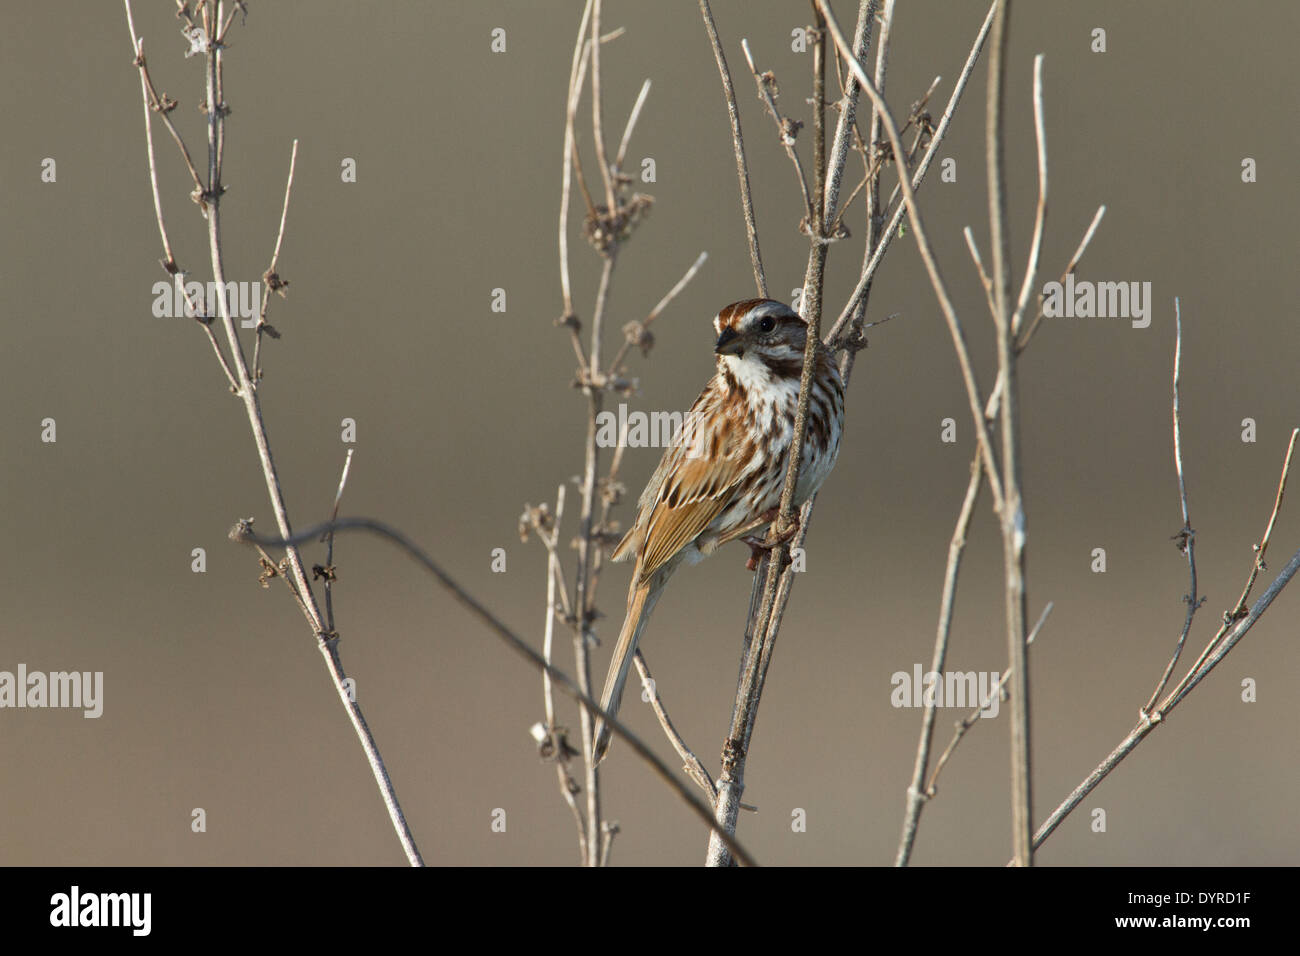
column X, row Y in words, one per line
column 721, row 478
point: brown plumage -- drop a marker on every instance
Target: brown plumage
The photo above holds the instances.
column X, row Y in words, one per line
column 723, row 476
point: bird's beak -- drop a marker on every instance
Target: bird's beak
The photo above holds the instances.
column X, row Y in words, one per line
column 729, row 343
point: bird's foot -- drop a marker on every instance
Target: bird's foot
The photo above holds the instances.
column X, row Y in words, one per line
column 758, row 547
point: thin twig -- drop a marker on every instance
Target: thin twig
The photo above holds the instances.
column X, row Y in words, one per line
column 1262, row 547
column 169, row 263
column 995, row 396
column 742, row 168
column 852, row 336
column 1035, row 247
column 1186, row 537
column 819, row 119
column 690, row 763
column 270, row 280
column 159, row 103
column 138, row 43
column 663, row 303
column 956, row 548
column 985, row 281
column 216, row 349
column 919, row 138
column 631, row 125
column 1239, row 610
column 785, row 130
column 551, row 737
column 598, row 111
column 1069, row 267
column 235, row 7
column 554, row 575
column 329, row 546
column 566, row 181
column 1040, row 217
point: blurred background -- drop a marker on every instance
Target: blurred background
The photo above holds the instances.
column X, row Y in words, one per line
column 214, row 695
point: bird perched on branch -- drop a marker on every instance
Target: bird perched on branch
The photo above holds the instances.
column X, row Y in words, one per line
column 722, row 477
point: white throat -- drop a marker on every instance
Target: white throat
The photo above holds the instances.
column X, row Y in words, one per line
column 766, row 395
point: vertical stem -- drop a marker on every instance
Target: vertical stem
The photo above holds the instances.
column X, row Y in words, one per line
column 778, row 581
column 252, row 406
column 586, row 554
column 582, row 635
column 597, row 111
column 738, row 141
column 916, row 791
column 844, row 127
column 872, row 200
column 1013, row 515
column 819, row 125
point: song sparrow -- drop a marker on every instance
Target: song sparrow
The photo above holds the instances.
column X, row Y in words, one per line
column 722, row 479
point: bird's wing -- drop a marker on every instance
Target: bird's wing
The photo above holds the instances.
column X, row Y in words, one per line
column 696, row 481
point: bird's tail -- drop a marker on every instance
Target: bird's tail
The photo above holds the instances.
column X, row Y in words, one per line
column 640, row 602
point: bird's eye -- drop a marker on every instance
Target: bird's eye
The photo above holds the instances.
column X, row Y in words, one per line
column 767, row 324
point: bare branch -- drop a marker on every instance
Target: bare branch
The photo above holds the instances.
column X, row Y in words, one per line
column 631, row 125
column 848, row 108
column 570, row 149
column 1186, row 537
column 1069, row 267
column 1040, row 217
column 915, row 795
column 1262, row 547
column 691, row 763
column 785, row 131
column 551, row 742
column 640, row 328
column 327, row 572
column 742, row 168
column 988, row 288
column 160, row 104
column 271, row 281
column 1011, row 514
column 597, row 110
column 1239, row 611
column 241, row 382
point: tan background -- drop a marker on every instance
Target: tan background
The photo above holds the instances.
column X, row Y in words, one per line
column 215, row 697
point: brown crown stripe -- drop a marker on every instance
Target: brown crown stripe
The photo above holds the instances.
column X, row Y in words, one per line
column 733, row 313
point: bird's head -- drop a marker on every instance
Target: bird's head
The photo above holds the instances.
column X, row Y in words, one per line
column 760, row 330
